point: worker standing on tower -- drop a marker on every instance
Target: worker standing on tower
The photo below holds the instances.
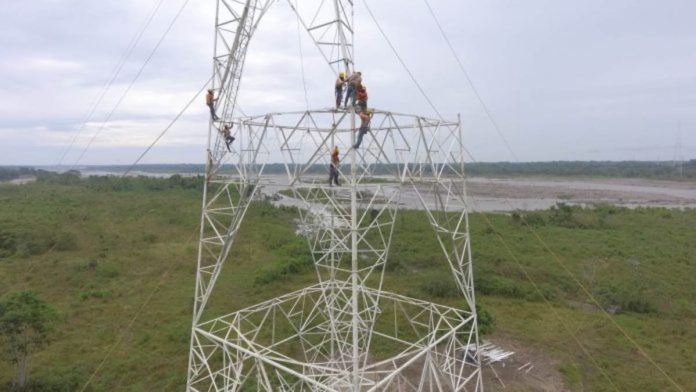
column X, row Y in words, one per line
column 353, row 81
column 210, row 101
column 333, row 167
column 340, row 83
column 365, row 117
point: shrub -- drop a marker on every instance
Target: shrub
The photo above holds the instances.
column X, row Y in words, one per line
column 572, row 375
column 516, row 217
column 545, row 292
column 629, row 298
column 535, row 219
column 292, row 266
column 485, row 319
column 440, row 288
column 68, row 381
column 107, row 270
column 85, row 265
column 497, row 285
column 640, row 305
column 101, row 294
column 267, row 276
column 65, row 241
column 8, row 245
column 31, row 248
column 530, row 218
column 562, row 215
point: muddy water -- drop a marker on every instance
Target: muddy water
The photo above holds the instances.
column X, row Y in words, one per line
column 500, row 195
column 508, row 194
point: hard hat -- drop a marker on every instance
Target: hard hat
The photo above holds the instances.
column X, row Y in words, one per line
column 341, row 74
column 370, row 111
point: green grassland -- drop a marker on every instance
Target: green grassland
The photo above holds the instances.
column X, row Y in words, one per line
column 104, row 250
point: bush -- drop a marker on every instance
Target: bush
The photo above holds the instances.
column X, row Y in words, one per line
column 85, row 265
column 101, row 294
column 65, row 241
column 497, row 285
column 440, row 288
column 292, row 266
column 628, row 298
column 535, row 219
column 640, row 305
column 530, row 218
column 485, row 319
column 68, row 381
column 107, row 271
column 32, row 248
column 121, row 184
column 546, row 291
column 267, row 276
column 8, row 245
column 562, row 215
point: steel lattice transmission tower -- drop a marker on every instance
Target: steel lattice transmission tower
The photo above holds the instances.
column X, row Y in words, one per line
column 323, row 337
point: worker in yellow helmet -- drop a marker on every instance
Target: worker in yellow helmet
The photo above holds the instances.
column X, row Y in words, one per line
column 340, row 83
column 353, row 81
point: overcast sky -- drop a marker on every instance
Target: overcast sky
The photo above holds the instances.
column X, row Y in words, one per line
column 565, row 80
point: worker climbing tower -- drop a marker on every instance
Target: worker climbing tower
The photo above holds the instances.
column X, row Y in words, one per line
column 344, row 333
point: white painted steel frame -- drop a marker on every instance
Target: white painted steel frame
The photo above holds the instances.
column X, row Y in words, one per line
column 349, row 231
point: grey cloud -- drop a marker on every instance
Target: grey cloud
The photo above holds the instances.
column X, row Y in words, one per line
column 563, row 79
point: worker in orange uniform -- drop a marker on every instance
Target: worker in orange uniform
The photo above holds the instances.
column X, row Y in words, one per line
column 333, row 167
column 362, row 97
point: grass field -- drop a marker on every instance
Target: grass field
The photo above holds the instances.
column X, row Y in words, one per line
column 103, row 252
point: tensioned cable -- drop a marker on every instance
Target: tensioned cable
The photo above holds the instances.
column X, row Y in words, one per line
column 547, row 302
column 159, row 284
column 140, row 71
column 534, row 232
column 472, row 157
column 408, row 70
column 471, row 83
column 124, row 58
column 594, row 300
column 403, row 64
column 167, row 127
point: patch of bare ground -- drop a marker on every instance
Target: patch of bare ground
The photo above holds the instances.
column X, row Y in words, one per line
column 529, row 369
